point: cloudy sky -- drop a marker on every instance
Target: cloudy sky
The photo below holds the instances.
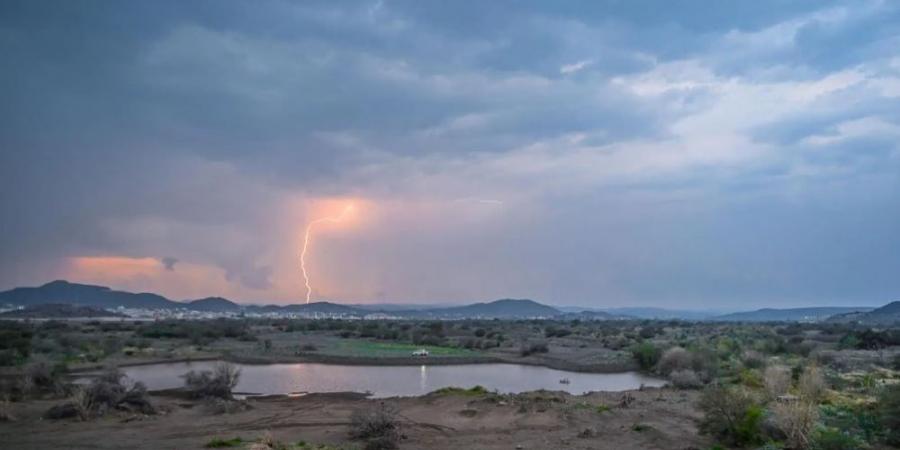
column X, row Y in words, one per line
column 680, row 154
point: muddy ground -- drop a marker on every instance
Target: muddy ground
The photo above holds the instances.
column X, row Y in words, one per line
column 649, row 419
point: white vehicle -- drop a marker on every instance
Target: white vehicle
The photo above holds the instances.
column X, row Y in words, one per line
column 420, row 352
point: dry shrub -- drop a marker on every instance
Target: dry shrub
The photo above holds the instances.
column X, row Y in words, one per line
column 797, row 420
column 105, row 392
column 217, row 383
column 217, row 406
column 753, row 359
column 812, row 384
column 5, row 413
column 42, row 376
column 731, row 414
column 685, row 379
column 777, row 381
column 378, row 426
column 675, row 358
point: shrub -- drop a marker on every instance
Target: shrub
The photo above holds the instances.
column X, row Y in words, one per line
column 753, row 359
column 532, row 348
column 378, row 426
column 646, row 355
column 217, row 383
column 777, row 381
column 889, row 413
column 811, row 384
column 104, row 393
column 827, row 438
column 42, row 376
column 731, row 414
column 675, row 358
column 685, row 379
column 224, row 443
column 797, row 421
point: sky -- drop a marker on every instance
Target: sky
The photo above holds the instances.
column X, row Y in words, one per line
column 687, row 154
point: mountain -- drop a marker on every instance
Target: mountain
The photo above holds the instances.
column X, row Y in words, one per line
column 815, row 314
column 886, row 315
column 506, row 308
column 83, row 294
column 63, row 292
column 51, row 310
column 593, row 315
column 666, row 314
column 323, row 308
column 639, row 312
column 213, row 304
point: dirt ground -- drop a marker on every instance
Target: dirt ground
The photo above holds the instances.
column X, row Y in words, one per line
column 649, row 419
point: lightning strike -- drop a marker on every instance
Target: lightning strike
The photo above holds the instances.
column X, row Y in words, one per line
column 309, row 227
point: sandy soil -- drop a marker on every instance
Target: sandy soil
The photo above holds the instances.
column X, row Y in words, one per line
column 665, row 419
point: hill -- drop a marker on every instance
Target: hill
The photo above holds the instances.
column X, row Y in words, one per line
column 213, row 304
column 83, row 294
column 815, row 314
column 52, row 310
column 886, row 315
column 506, row 308
column 323, row 308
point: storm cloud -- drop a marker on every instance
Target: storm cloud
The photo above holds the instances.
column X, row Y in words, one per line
column 592, row 153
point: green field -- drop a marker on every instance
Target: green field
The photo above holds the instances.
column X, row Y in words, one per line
column 350, row 347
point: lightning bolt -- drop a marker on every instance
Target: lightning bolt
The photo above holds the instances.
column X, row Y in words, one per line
column 309, row 228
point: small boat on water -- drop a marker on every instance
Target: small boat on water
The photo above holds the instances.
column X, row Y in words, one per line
column 564, row 381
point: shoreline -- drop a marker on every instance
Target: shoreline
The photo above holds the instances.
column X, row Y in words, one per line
column 375, row 361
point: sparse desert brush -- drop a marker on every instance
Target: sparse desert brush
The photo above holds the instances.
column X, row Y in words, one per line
column 685, row 379
column 753, row 359
column 217, row 383
column 104, row 393
column 675, row 358
column 378, row 426
column 812, row 385
column 777, row 381
column 732, row 414
column 889, row 413
column 797, row 420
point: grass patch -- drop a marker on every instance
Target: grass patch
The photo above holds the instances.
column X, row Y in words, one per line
column 602, row 408
column 224, row 443
column 471, row 392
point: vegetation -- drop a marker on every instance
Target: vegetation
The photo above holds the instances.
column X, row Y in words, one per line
column 224, row 443
column 378, row 427
column 217, row 383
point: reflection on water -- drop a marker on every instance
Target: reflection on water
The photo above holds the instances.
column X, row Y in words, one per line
column 389, row 381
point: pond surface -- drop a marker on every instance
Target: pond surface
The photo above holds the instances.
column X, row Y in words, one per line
column 389, row 381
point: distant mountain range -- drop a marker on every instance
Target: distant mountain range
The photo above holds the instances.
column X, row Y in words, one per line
column 63, row 292
column 52, row 310
column 648, row 312
column 816, row 314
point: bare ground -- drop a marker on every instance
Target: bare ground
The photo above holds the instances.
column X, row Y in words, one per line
column 648, row 419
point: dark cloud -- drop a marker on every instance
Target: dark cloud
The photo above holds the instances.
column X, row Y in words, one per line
column 169, row 262
column 699, row 151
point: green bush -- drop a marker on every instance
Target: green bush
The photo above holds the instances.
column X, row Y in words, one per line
column 224, row 443
column 731, row 414
column 646, row 354
column 889, row 413
column 827, row 438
